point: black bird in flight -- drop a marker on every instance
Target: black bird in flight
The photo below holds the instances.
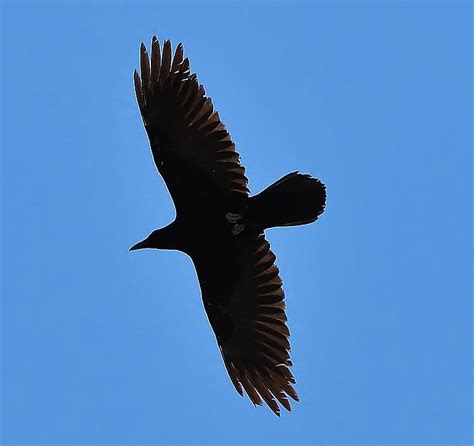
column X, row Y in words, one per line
column 220, row 227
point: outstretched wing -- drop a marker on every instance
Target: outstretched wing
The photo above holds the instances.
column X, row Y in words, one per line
column 191, row 147
column 244, row 301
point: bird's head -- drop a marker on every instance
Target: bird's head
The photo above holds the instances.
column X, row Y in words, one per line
column 164, row 238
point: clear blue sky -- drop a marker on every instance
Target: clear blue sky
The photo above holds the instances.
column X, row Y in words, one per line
column 105, row 346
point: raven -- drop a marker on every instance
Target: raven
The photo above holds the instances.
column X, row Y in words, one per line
column 220, row 227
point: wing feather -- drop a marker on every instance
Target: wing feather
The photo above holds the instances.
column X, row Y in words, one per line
column 247, row 385
column 251, row 330
column 165, row 63
column 145, row 70
column 155, row 61
column 187, row 138
column 263, row 389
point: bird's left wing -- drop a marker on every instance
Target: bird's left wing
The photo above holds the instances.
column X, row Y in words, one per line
column 191, row 147
column 249, row 321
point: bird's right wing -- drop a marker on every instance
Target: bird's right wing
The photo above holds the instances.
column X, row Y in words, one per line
column 191, row 147
column 249, row 321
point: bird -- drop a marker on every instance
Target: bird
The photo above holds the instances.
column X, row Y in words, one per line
column 220, row 226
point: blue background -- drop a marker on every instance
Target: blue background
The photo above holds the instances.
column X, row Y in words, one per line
column 100, row 345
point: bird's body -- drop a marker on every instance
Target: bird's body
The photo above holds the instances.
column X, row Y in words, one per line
column 220, row 227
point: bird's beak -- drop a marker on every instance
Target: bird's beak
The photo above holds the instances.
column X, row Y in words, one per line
column 140, row 245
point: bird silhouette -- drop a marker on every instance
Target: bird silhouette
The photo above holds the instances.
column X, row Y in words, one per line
column 220, row 226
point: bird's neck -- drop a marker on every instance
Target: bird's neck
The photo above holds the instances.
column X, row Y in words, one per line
column 169, row 237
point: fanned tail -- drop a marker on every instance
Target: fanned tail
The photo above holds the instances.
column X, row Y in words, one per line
column 296, row 199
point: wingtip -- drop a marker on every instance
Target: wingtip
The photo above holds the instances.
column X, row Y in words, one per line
column 137, row 81
column 167, row 46
column 286, row 404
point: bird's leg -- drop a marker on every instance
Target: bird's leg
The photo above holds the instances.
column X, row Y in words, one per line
column 237, row 229
column 233, row 218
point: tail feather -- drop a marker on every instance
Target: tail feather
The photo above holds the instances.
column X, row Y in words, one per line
column 296, row 199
